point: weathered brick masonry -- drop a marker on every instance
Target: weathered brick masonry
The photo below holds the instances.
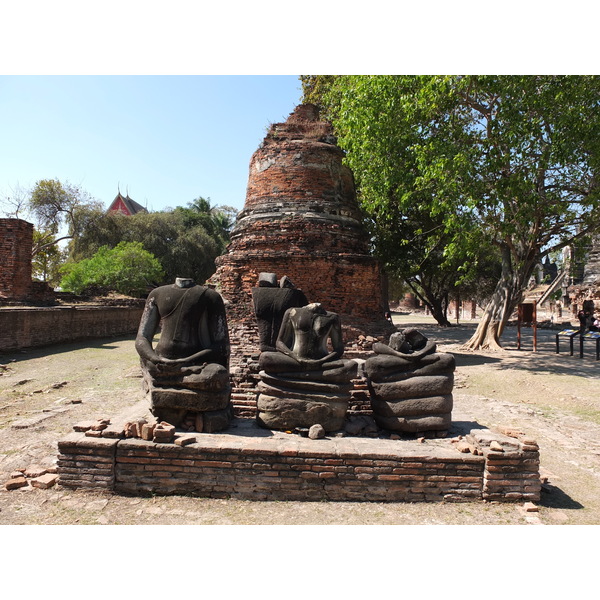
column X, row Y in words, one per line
column 301, row 219
column 28, row 327
column 293, row 468
column 16, row 242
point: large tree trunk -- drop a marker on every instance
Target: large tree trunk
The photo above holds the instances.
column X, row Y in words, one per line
column 506, row 297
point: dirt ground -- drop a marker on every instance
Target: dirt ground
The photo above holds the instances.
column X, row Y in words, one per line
column 552, row 397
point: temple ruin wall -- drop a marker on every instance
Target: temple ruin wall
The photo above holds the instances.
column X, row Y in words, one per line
column 29, row 327
column 16, row 241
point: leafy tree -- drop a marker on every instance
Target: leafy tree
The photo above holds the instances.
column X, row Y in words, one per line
column 46, row 263
column 127, row 268
column 186, row 240
column 502, row 161
column 54, row 206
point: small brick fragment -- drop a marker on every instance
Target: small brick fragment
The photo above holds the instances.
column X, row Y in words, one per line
column 464, row 447
column 530, row 507
column 495, row 446
column 185, row 440
column 45, row 481
column 83, row 426
column 113, row 432
column 15, row 483
column 100, row 424
column 93, row 433
column 35, row 471
column 148, row 431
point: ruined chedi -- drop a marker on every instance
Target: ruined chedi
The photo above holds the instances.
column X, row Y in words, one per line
column 301, row 219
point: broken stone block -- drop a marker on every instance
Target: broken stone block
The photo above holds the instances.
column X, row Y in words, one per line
column 316, row 432
column 45, row 481
column 15, row 483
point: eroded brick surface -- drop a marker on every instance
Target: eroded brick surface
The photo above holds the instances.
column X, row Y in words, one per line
column 301, row 219
column 16, row 240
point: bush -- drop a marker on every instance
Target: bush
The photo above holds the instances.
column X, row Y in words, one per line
column 127, row 268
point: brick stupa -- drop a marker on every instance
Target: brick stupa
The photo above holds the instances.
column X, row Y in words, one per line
column 301, row 219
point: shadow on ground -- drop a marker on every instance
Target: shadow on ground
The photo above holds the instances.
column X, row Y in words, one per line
column 554, row 497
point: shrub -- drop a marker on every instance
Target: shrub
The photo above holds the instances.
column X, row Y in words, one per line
column 127, row 268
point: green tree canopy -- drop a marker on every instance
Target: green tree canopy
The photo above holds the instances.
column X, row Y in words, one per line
column 46, row 262
column 55, row 206
column 127, row 268
column 508, row 162
column 185, row 240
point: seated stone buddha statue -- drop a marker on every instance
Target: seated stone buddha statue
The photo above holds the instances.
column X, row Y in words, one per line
column 186, row 375
column 411, row 384
column 306, row 382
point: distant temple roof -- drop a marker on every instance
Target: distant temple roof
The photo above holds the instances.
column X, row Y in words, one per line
column 125, row 205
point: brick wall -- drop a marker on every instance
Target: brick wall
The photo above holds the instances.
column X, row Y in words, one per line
column 16, row 241
column 27, row 327
column 281, row 467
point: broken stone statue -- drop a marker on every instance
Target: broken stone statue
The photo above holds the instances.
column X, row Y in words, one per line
column 271, row 300
column 186, row 375
column 304, row 383
column 411, row 384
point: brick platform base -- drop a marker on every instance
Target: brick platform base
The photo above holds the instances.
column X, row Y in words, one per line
column 255, row 464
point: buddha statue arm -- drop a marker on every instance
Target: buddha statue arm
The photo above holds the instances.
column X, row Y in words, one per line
column 147, row 329
column 380, row 348
column 286, row 336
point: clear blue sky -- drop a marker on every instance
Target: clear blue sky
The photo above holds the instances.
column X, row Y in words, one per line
column 163, row 139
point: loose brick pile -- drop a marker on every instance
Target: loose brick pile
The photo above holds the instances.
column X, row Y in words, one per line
column 33, row 476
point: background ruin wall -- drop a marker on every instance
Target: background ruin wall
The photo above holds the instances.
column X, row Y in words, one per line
column 16, row 242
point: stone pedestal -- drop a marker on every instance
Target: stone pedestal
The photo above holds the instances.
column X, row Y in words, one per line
column 197, row 395
column 300, row 400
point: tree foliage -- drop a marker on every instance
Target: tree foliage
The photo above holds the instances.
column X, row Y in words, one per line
column 469, row 163
column 46, row 262
column 186, row 240
column 127, row 268
column 55, row 206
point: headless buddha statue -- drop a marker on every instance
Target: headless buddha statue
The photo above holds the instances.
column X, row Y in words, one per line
column 186, row 374
column 306, row 381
